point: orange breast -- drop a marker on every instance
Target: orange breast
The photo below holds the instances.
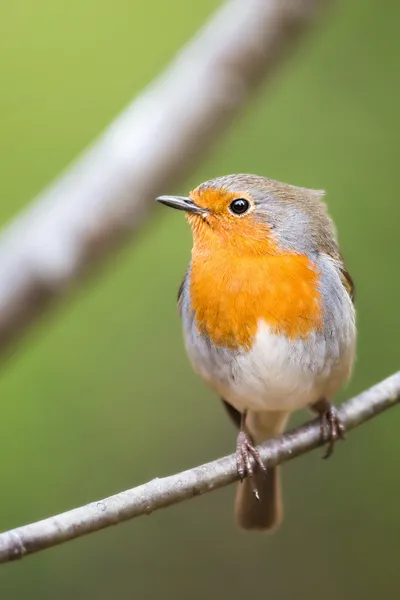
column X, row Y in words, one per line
column 231, row 293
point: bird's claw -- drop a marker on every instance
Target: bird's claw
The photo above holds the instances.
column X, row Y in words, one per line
column 247, row 460
column 332, row 429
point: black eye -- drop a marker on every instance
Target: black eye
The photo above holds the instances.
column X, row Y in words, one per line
column 239, row 206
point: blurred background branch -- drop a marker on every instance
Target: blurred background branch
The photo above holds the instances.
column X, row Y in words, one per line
column 160, row 493
column 106, row 196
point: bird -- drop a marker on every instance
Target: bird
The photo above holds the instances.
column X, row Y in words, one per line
column 267, row 307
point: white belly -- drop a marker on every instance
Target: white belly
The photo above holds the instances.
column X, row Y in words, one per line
column 276, row 374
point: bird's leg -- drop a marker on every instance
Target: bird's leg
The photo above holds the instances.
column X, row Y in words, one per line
column 247, row 456
column 332, row 428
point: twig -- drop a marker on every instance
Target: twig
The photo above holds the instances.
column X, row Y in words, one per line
column 108, row 193
column 159, row 493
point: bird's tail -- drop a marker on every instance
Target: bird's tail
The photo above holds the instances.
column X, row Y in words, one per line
column 265, row 514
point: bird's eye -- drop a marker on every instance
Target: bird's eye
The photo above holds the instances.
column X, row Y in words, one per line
column 239, row 206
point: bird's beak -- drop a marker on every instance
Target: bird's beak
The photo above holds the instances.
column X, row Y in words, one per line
column 182, row 203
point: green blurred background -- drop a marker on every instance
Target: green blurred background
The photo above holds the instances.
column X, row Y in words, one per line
column 101, row 397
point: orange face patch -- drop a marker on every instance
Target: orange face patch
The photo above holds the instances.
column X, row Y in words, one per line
column 240, row 276
column 222, row 228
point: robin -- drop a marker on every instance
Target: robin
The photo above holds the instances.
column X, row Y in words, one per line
column 268, row 317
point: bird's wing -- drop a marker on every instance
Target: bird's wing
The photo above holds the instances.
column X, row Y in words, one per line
column 344, row 275
column 233, row 413
column 347, row 281
column 180, row 291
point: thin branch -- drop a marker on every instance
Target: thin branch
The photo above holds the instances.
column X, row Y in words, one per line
column 159, row 493
column 106, row 196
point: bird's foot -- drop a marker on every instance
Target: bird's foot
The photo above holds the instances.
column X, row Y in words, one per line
column 248, row 460
column 332, row 427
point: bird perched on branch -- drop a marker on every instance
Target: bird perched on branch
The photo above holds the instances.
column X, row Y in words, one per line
column 268, row 317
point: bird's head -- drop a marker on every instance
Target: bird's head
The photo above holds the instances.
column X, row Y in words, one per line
column 252, row 215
